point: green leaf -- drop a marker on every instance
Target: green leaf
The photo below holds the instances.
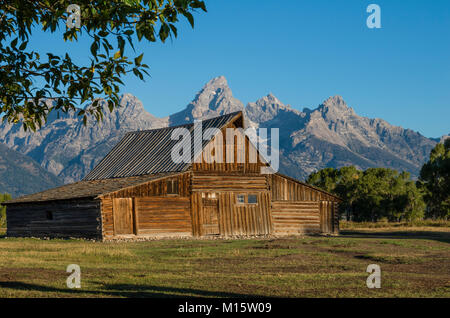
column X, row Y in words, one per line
column 121, row 44
column 14, row 43
column 23, row 45
column 138, row 59
column 190, row 18
column 94, row 48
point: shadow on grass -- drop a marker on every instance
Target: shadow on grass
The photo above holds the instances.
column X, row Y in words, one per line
column 426, row 235
column 125, row 290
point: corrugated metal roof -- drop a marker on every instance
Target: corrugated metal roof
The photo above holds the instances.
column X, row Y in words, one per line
column 149, row 151
column 87, row 189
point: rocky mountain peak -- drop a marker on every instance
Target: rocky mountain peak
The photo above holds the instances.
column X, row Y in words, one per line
column 335, row 108
column 271, row 98
column 265, row 108
column 270, row 111
column 216, row 83
column 128, row 100
column 216, row 95
column 214, row 99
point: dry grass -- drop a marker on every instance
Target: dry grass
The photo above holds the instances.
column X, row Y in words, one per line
column 414, row 225
column 413, row 264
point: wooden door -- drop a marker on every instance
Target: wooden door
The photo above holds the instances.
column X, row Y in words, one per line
column 123, row 216
column 210, row 217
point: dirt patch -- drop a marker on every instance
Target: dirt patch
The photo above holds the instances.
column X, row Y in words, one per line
column 273, row 247
column 15, row 274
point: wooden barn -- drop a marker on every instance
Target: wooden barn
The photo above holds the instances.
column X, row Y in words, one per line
column 137, row 190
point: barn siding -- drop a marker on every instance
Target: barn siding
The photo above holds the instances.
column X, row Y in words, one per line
column 240, row 153
column 107, row 217
column 154, row 188
column 163, row 216
column 152, row 204
column 246, row 219
column 286, row 189
column 218, row 182
column 329, row 218
column 296, row 217
column 71, row 218
column 299, row 209
column 234, row 219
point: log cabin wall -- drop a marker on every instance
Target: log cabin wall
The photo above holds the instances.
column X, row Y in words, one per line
column 69, row 218
column 217, row 193
column 156, row 208
column 300, row 209
column 296, row 217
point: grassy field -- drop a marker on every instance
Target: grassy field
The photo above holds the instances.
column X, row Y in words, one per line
column 415, row 262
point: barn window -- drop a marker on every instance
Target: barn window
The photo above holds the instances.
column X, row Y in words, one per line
column 49, row 215
column 172, row 186
column 252, row 199
column 240, row 198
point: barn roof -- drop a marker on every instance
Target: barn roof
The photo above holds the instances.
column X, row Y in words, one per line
column 149, row 151
column 87, row 188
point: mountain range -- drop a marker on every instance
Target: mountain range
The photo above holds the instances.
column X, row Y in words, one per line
column 331, row 135
column 20, row 174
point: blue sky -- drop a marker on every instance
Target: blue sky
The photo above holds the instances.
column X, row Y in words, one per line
column 303, row 52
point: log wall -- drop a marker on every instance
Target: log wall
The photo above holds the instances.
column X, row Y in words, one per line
column 296, row 217
column 298, row 208
column 63, row 219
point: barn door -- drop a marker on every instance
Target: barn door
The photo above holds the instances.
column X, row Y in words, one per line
column 123, row 216
column 210, row 217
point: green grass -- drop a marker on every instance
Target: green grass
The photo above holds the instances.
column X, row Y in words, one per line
column 413, row 264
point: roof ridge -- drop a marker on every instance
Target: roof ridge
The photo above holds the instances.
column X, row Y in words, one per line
column 182, row 125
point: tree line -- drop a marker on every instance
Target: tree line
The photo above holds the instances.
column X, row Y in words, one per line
column 382, row 193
